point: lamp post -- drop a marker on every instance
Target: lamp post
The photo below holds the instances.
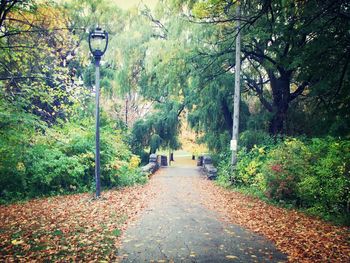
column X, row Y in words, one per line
column 98, row 41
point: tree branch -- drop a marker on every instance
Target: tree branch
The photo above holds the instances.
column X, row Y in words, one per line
column 298, row 91
column 257, row 88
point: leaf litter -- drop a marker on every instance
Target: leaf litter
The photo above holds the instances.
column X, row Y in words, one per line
column 71, row 227
column 78, row 228
column 301, row 237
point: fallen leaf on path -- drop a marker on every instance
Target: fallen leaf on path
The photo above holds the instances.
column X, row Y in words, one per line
column 231, row 257
column 70, row 227
column 302, row 238
column 17, row 242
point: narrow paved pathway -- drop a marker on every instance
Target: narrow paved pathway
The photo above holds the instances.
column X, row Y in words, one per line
column 176, row 227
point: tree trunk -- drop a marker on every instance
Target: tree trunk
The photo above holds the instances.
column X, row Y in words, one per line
column 277, row 123
column 227, row 114
column 281, row 97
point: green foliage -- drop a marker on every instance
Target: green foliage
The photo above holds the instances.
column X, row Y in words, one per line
column 327, row 188
column 286, row 166
column 249, row 138
column 61, row 160
column 249, row 168
column 159, row 129
column 49, row 170
column 17, row 132
column 131, row 177
column 38, row 69
column 284, row 44
column 155, row 142
column 308, row 174
column 224, row 169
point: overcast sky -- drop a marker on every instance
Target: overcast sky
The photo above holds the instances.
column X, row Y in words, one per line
column 126, row 4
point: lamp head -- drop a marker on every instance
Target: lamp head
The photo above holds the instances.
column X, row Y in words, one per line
column 98, row 41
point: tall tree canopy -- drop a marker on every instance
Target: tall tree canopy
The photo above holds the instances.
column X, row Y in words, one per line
column 38, row 59
column 289, row 49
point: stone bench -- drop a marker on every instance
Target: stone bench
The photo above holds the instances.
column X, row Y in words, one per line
column 152, row 166
column 155, row 161
column 207, row 166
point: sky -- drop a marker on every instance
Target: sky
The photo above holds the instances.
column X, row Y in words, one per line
column 126, row 4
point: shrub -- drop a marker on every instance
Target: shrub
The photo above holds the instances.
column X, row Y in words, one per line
column 327, row 189
column 224, row 168
column 61, row 159
column 51, row 171
column 17, row 130
column 128, row 176
column 312, row 174
column 248, row 169
column 284, row 168
column 249, row 138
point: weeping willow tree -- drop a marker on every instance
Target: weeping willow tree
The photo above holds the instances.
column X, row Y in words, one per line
column 158, row 130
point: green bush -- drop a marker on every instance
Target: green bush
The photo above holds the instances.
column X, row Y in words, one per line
column 224, row 166
column 285, row 166
column 60, row 159
column 51, row 171
column 17, row 131
column 311, row 174
column 248, row 169
column 131, row 177
column 327, row 188
column 249, row 138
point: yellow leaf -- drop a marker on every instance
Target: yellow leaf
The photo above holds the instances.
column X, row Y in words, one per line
column 17, row 242
column 231, row 257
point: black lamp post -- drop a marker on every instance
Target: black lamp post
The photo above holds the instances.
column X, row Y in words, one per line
column 98, row 41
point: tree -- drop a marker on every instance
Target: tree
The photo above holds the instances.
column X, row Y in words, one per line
column 164, row 67
column 159, row 129
column 282, row 45
column 37, row 69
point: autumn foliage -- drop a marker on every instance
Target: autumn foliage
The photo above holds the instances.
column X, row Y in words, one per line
column 72, row 227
